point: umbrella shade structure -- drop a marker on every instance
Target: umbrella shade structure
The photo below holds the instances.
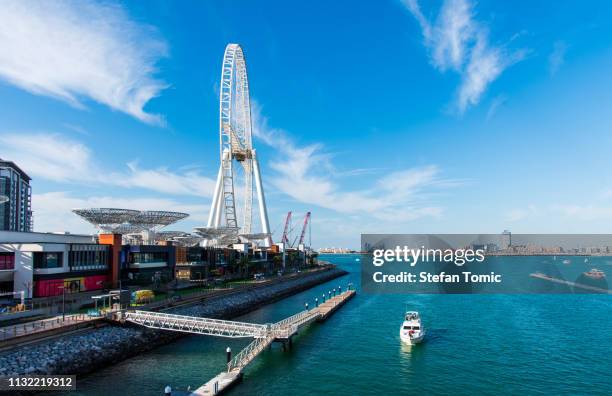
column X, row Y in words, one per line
column 125, row 221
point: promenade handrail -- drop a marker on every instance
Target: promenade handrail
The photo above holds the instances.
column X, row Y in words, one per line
column 196, row 325
column 291, row 319
column 249, row 353
column 40, row 325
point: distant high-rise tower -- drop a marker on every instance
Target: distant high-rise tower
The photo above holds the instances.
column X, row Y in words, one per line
column 15, row 198
column 506, row 239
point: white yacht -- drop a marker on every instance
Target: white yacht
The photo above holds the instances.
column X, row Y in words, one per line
column 412, row 331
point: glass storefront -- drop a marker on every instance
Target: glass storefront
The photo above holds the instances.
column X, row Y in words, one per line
column 45, row 260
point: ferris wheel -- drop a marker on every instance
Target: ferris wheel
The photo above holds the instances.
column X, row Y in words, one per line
column 236, row 148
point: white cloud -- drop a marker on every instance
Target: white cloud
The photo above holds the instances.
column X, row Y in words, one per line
column 397, row 197
column 496, row 103
column 72, row 50
column 57, row 158
column 53, row 210
column 165, row 181
column 557, row 57
column 584, row 212
column 50, row 156
column 459, row 42
column 607, row 194
column 522, row 213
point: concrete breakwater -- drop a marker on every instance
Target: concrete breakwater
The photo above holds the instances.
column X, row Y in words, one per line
column 85, row 352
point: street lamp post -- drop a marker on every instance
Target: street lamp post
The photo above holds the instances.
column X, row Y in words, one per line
column 63, row 302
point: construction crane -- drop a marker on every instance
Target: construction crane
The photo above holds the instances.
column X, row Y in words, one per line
column 306, row 220
column 285, row 237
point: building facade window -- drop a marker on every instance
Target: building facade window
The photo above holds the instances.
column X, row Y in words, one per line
column 88, row 257
column 196, row 256
column 7, row 261
column 149, row 258
column 16, row 214
column 46, row 260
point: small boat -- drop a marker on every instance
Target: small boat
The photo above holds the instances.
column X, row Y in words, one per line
column 412, row 332
column 567, row 261
column 586, row 260
column 595, row 274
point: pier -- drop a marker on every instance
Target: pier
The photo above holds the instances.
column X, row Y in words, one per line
column 264, row 334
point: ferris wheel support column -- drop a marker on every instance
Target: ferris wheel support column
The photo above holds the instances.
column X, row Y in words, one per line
column 218, row 209
column 214, row 209
column 261, row 200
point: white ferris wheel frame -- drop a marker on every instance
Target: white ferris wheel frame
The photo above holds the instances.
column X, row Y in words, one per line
column 236, row 145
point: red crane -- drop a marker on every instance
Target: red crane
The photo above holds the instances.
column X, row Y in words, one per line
column 306, row 220
column 285, row 237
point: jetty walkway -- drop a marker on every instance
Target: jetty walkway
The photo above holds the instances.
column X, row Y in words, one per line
column 263, row 334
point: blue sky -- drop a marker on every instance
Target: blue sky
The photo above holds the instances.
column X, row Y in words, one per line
column 381, row 116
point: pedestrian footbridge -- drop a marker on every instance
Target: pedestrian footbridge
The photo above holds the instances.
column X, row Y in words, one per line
column 196, row 325
column 263, row 334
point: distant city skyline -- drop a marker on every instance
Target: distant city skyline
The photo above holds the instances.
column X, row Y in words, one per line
column 452, row 116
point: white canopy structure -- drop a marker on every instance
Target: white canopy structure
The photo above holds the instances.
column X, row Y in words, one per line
column 235, row 145
column 128, row 221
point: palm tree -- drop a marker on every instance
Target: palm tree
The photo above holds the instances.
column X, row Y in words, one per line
column 243, row 264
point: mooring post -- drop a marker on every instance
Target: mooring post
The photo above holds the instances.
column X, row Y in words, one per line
column 323, row 297
column 228, row 353
column 329, row 294
column 339, row 289
column 306, row 306
column 334, row 289
column 316, row 301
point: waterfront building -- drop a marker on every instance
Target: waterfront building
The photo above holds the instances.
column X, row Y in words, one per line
column 196, row 263
column 43, row 264
column 506, row 240
column 335, row 250
column 40, row 264
column 147, row 264
column 16, row 212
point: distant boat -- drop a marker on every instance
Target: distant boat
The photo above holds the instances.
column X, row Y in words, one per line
column 595, row 274
column 357, row 259
column 412, row 331
column 567, row 261
column 555, row 258
column 586, row 260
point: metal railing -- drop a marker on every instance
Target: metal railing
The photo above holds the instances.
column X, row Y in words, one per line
column 290, row 325
column 249, row 353
column 37, row 326
column 196, row 325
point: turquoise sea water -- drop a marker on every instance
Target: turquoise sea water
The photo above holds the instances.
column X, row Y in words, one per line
column 476, row 344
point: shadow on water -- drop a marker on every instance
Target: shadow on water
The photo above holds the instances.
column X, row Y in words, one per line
column 434, row 336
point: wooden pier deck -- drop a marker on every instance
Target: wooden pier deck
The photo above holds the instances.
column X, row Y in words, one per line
column 281, row 331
